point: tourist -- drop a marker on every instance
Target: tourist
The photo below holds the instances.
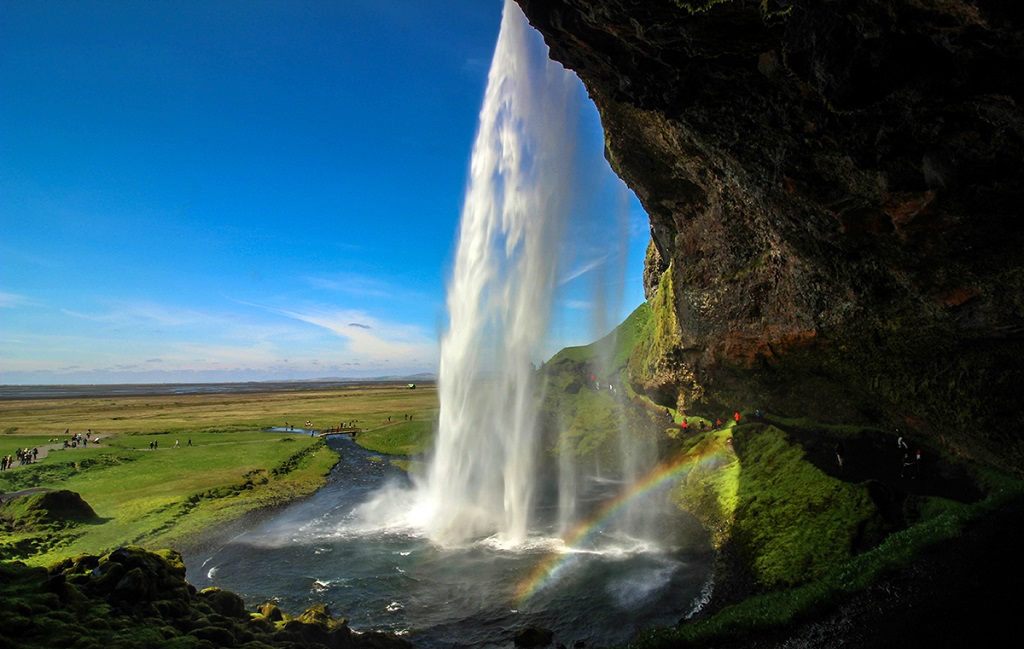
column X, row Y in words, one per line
column 907, row 462
column 839, row 449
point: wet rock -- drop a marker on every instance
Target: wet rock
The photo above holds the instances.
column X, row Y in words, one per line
column 533, row 636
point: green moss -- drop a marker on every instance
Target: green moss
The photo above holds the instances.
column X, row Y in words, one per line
column 589, row 423
column 657, row 335
column 777, row 609
column 710, row 489
column 793, row 521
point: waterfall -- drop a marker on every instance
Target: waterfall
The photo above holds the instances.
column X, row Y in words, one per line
column 524, row 218
column 499, row 298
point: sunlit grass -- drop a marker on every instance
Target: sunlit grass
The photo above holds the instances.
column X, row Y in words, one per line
column 174, row 495
column 369, row 405
column 404, row 438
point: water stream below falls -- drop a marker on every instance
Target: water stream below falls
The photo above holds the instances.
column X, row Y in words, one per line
column 477, row 595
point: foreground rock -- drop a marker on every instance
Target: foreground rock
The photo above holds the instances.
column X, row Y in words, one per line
column 834, row 191
column 136, row 598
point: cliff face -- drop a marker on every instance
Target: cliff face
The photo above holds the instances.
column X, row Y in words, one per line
column 835, row 187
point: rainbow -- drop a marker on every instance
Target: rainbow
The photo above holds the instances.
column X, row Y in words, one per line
column 556, row 562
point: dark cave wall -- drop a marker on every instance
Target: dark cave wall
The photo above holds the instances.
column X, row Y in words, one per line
column 836, row 188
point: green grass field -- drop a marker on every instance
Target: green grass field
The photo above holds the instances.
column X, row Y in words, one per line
column 171, row 496
column 368, row 405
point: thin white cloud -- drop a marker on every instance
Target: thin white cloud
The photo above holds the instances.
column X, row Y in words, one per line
column 352, row 285
column 579, row 305
column 146, row 313
column 583, row 270
column 367, row 336
column 356, row 285
column 13, row 299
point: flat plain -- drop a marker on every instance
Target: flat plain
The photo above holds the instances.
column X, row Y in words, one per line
column 171, row 468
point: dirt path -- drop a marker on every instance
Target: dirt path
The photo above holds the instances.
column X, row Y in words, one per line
column 25, row 492
column 44, row 450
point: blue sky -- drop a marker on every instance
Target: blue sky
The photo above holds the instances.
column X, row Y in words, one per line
column 235, row 191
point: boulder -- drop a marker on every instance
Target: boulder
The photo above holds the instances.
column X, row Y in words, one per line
column 224, row 602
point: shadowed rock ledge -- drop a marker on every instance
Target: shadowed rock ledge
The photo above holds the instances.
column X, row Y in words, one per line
column 835, row 191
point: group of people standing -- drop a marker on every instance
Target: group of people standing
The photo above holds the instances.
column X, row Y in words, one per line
column 22, row 456
column 79, row 439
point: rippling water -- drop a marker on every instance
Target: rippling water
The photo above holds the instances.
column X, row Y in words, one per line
column 319, row 551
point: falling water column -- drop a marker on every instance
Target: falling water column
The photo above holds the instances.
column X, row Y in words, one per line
column 480, row 479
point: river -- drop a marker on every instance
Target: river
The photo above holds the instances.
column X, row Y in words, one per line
column 476, row 595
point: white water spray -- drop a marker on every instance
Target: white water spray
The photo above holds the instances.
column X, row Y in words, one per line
column 523, row 205
column 480, row 480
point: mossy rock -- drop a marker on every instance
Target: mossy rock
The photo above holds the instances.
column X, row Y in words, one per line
column 47, row 508
column 271, row 612
column 225, row 602
column 219, row 636
column 78, row 565
column 318, row 614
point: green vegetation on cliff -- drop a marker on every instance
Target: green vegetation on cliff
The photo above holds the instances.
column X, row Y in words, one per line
column 789, row 521
column 582, row 416
column 794, row 531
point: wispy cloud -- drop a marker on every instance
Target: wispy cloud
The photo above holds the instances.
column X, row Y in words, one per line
column 367, row 336
column 147, row 313
column 353, row 284
column 583, row 270
column 13, row 300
